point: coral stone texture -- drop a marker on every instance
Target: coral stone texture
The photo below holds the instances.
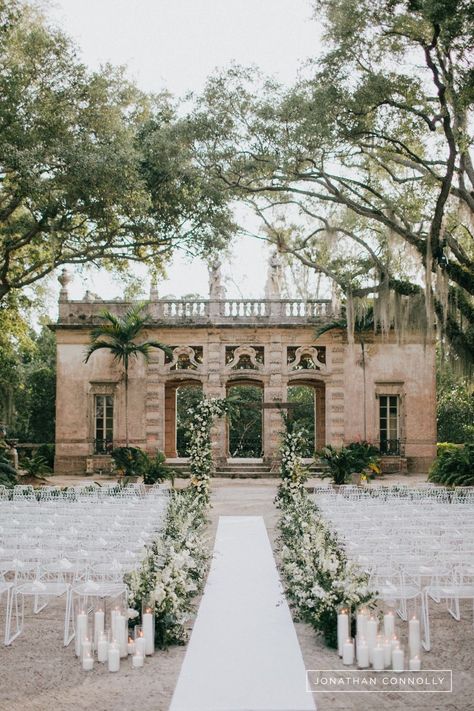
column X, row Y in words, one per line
column 216, row 344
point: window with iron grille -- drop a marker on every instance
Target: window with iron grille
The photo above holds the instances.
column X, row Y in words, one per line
column 389, row 424
column 104, row 423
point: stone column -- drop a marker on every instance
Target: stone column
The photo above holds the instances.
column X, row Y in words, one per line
column 170, row 421
column 274, row 391
column 214, row 387
column 320, row 407
column 155, row 406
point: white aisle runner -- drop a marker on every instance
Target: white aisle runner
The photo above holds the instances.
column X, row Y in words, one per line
column 243, row 654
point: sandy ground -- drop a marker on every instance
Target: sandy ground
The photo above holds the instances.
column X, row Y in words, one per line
column 38, row 674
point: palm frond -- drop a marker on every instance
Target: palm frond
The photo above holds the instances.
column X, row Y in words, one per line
column 97, row 345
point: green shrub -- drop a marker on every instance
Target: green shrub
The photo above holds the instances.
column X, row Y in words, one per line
column 364, row 456
column 131, row 460
column 446, row 447
column 47, row 451
column 355, row 458
column 35, row 465
column 8, row 475
column 339, row 462
column 156, row 470
column 455, row 412
column 454, row 467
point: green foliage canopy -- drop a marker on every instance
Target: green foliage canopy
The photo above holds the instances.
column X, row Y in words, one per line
column 91, row 170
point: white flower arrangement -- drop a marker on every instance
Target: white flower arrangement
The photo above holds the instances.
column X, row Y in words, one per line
column 293, row 474
column 173, row 570
column 200, row 446
column 319, row 578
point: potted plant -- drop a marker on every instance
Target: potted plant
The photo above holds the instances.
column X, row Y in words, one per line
column 340, row 464
column 365, row 461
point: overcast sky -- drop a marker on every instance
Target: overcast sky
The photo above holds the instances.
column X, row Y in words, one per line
column 176, row 44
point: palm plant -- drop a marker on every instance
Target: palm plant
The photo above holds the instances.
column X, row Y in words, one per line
column 118, row 335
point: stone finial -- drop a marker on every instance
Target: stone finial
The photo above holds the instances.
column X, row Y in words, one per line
column 154, row 290
column 274, row 277
column 65, row 278
column 216, row 288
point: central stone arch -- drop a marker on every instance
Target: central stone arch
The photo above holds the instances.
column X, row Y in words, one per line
column 175, row 413
column 309, row 392
column 244, row 432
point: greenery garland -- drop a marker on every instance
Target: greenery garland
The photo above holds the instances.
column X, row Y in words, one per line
column 200, row 446
column 292, row 472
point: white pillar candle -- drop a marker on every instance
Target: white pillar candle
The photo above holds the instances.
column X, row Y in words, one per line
column 88, row 662
column 387, row 653
column 113, row 657
column 414, row 638
column 131, row 646
column 113, row 615
column 121, row 626
column 80, row 632
column 99, row 626
column 348, row 652
column 362, row 653
column 395, row 642
column 372, row 627
column 102, row 649
column 378, row 656
column 137, row 661
column 398, row 659
column 140, row 645
column 148, row 631
column 389, row 624
column 86, row 647
column 415, row 664
column 342, row 630
column 361, row 622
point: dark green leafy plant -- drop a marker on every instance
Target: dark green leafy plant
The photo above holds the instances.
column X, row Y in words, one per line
column 157, row 471
column 131, row 460
column 454, row 467
column 339, row 461
column 35, row 466
column 47, row 451
column 365, row 456
column 8, row 475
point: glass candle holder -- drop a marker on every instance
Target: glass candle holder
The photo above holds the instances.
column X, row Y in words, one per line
column 140, row 641
column 148, row 626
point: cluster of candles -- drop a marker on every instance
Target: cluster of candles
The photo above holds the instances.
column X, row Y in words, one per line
column 371, row 648
column 114, row 644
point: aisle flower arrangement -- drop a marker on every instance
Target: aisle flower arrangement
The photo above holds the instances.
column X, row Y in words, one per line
column 199, row 448
column 319, row 578
column 173, row 570
column 292, row 472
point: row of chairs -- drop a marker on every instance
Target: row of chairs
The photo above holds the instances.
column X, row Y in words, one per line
column 415, row 550
column 78, row 549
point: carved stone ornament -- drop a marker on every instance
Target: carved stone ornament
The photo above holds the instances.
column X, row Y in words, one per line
column 247, row 355
column 305, row 354
column 184, row 358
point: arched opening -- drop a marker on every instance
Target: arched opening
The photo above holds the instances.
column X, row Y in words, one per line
column 180, row 398
column 187, row 397
column 245, row 424
column 309, row 413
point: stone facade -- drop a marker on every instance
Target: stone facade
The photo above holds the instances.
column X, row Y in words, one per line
column 218, row 343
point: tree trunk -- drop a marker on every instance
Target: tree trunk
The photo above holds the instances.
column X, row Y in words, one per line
column 126, row 406
column 362, row 346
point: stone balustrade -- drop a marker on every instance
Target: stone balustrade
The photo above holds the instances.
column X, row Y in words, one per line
column 204, row 311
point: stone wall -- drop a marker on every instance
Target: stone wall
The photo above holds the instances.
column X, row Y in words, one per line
column 336, row 370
